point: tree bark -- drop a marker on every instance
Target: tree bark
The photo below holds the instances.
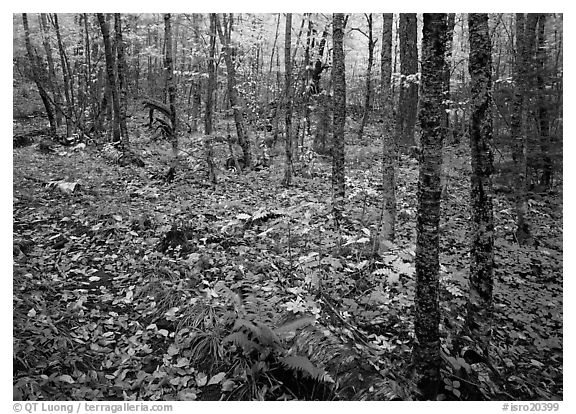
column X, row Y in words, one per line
column 389, row 156
column 68, row 94
column 543, row 113
column 211, row 77
column 386, row 54
column 196, row 82
column 532, row 150
column 339, row 85
column 122, row 84
column 447, row 71
column 52, row 79
column 38, row 76
column 171, row 87
column 518, row 132
column 368, row 95
column 229, row 58
column 288, row 97
column 408, row 103
column 426, row 351
column 110, row 63
column 480, row 306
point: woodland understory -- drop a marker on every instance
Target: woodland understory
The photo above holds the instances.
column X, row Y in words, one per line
column 131, row 287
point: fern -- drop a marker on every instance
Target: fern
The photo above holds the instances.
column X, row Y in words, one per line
column 241, row 340
column 306, row 367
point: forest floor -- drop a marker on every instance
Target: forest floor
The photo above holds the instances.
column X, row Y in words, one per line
column 130, row 287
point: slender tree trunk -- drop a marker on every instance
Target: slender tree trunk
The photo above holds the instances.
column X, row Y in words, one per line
column 427, row 316
column 307, row 78
column 288, row 96
column 91, row 98
column 110, row 63
column 518, row 132
column 53, row 80
column 122, row 84
column 272, row 59
column 196, row 88
column 67, row 79
column 339, row 85
column 480, row 306
column 39, row 77
column 408, row 104
column 388, row 138
column 368, row 95
column 530, row 87
column 229, row 58
column 543, row 113
column 211, row 77
column 171, row 87
column 209, row 153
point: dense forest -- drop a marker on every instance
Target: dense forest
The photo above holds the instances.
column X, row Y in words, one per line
column 287, row 206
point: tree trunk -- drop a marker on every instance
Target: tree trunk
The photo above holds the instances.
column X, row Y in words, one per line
column 211, row 77
column 68, row 90
column 447, row 70
column 408, row 104
column 479, row 317
column 229, row 58
column 339, row 85
column 532, row 150
column 196, row 88
column 386, row 54
column 288, row 96
column 388, row 138
column 110, row 63
column 518, row 132
column 307, row 79
column 367, row 97
column 543, row 113
column 122, row 84
column 171, row 87
column 209, row 152
column 39, row 77
column 52, row 79
column 426, row 351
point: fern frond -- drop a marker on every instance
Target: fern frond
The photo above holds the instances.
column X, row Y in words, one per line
column 306, row 367
column 241, row 340
column 243, row 323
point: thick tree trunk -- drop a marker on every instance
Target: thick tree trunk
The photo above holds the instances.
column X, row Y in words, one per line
column 39, row 77
column 427, row 316
column 388, row 138
column 110, row 63
column 288, row 97
column 447, row 71
column 229, row 58
column 122, row 84
column 171, row 87
column 518, row 132
column 339, row 85
column 408, row 103
column 386, row 54
column 480, row 306
column 368, row 95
